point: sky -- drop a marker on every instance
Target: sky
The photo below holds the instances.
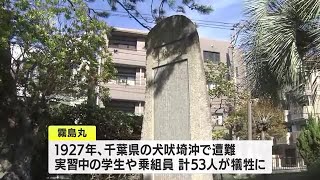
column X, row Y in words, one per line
column 226, row 13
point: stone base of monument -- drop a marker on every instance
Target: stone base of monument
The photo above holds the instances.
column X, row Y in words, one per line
column 177, row 101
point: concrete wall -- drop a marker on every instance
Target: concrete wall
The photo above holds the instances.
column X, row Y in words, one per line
column 128, row 57
column 215, row 46
column 123, row 92
column 240, row 67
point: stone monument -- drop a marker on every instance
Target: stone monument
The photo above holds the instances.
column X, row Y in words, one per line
column 177, row 101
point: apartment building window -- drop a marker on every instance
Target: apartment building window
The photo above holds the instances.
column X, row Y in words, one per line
column 124, row 106
column 126, row 80
column 126, row 76
column 123, row 42
column 211, row 56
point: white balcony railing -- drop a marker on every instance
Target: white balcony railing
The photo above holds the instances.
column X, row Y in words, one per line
column 288, row 164
column 128, row 81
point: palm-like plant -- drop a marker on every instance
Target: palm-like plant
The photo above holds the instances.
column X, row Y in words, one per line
column 280, row 39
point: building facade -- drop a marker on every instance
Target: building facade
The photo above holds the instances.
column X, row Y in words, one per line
column 296, row 116
column 127, row 90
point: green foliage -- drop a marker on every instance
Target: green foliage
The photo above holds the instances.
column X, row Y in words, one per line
column 217, row 74
column 309, row 143
column 59, row 45
column 219, row 134
column 110, row 125
column 313, row 170
column 49, row 51
column 158, row 9
column 281, row 43
column 180, row 8
column 237, row 123
column 222, row 86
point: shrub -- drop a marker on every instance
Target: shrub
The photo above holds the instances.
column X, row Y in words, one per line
column 110, row 125
column 309, row 143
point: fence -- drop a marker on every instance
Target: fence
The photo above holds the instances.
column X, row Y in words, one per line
column 288, row 164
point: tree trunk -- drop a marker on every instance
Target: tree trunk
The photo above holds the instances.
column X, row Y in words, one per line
column 92, row 84
column 231, row 133
column 91, row 101
column 7, row 109
column 15, row 150
column 263, row 135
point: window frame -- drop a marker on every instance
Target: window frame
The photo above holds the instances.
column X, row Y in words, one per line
column 213, row 53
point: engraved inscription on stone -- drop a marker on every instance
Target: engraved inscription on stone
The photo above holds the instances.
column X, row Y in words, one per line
column 171, row 105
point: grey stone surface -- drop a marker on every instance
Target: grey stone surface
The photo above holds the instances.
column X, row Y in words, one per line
column 177, row 101
column 169, row 113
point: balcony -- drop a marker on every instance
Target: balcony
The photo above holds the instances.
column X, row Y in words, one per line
column 128, row 81
column 283, row 140
column 127, row 88
column 298, row 117
column 128, row 56
column 132, row 93
column 299, row 113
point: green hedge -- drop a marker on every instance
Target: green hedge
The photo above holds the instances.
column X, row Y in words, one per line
column 110, row 125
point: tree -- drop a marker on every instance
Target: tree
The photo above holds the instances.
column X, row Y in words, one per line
column 222, row 86
column 218, row 75
column 219, row 134
column 268, row 121
column 158, row 9
column 309, row 142
column 236, row 123
column 49, row 51
column 109, row 124
column 281, row 42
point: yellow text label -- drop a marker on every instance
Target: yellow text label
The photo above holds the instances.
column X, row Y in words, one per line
column 75, row 132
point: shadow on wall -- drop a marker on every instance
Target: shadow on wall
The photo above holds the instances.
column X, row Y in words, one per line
column 169, row 39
